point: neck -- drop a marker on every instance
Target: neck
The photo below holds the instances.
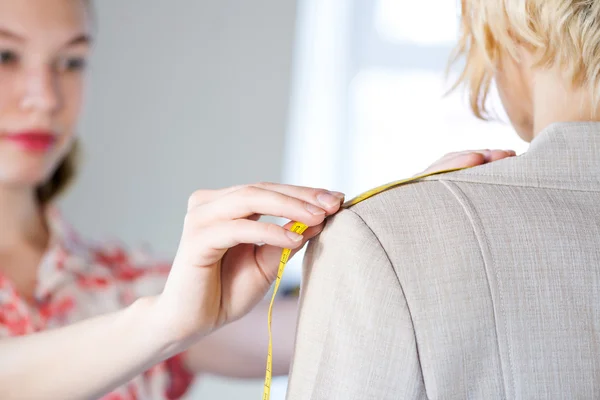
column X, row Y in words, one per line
column 555, row 101
column 21, row 219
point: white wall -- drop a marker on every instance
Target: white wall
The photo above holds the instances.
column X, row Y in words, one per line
column 184, row 94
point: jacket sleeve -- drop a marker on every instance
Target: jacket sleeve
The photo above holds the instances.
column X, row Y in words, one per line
column 355, row 338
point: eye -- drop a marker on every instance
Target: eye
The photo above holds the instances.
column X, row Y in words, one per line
column 8, row 57
column 72, row 64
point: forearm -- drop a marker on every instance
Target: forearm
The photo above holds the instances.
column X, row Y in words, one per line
column 239, row 350
column 84, row 360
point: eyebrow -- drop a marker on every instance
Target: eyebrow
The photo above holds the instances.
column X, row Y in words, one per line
column 79, row 39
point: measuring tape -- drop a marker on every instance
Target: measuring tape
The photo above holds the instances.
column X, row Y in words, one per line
column 299, row 228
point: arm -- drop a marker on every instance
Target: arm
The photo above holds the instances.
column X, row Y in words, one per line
column 239, row 350
column 83, row 360
column 355, row 338
column 219, row 274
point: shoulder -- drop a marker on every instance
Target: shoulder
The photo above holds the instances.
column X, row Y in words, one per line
column 392, row 212
column 438, row 195
column 409, row 209
column 411, row 223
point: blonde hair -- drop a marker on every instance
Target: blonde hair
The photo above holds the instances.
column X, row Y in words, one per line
column 559, row 33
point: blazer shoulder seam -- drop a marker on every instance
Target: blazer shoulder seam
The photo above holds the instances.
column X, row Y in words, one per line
column 410, row 314
column 488, row 260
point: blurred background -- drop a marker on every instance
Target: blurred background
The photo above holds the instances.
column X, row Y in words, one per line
column 187, row 94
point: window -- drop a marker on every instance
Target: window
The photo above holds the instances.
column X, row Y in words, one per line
column 368, row 104
column 395, row 21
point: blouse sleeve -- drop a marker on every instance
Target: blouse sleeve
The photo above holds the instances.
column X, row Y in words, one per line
column 139, row 274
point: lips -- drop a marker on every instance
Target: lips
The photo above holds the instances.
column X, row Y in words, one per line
column 32, row 140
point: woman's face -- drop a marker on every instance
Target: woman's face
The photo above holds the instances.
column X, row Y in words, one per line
column 44, row 46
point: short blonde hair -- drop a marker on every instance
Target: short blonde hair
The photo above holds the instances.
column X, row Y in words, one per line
column 563, row 33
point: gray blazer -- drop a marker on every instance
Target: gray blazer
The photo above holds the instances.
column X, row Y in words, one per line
column 477, row 284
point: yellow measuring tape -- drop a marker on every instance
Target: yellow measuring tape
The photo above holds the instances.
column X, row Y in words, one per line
column 299, row 228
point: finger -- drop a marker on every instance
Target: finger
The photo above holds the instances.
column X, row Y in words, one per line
column 463, row 152
column 328, row 200
column 257, row 278
column 491, row 155
column 253, row 200
column 204, row 196
column 308, row 234
column 468, row 153
column 449, row 159
column 458, row 161
column 500, row 154
column 469, row 158
column 228, row 234
column 268, row 256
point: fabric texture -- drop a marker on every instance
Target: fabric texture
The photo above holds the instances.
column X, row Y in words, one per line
column 477, row 284
column 78, row 280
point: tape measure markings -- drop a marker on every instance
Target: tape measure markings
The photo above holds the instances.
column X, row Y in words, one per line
column 298, row 228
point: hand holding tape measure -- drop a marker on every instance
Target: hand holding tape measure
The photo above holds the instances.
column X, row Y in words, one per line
column 227, row 259
column 449, row 163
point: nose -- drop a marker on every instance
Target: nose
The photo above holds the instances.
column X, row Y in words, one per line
column 41, row 91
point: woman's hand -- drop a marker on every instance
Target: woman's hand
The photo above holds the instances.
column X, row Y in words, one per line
column 469, row 158
column 228, row 259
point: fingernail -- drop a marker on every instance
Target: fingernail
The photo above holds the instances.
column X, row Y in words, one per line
column 294, row 236
column 314, row 210
column 328, row 200
column 339, row 195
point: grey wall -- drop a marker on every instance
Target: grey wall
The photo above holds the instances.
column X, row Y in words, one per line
column 183, row 94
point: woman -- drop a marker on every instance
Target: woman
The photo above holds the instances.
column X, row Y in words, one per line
column 78, row 321
column 482, row 283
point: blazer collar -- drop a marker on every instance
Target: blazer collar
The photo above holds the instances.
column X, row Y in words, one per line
column 565, row 155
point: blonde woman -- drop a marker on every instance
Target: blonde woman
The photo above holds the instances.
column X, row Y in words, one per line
column 483, row 283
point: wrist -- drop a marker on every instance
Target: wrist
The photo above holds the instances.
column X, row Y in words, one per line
column 162, row 324
column 144, row 315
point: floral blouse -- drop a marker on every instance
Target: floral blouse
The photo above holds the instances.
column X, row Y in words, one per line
column 77, row 280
